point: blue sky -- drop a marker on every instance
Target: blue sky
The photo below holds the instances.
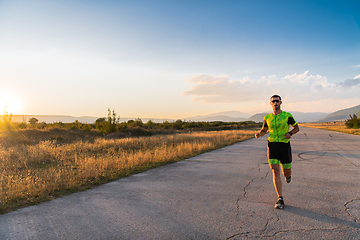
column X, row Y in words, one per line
column 176, row 59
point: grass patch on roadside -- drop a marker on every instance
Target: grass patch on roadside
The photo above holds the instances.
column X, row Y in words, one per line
column 40, row 165
column 332, row 126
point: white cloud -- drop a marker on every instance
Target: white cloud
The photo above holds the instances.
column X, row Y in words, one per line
column 219, row 89
column 292, row 88
column 356, row 66
column 295, row 77
column 358, row 76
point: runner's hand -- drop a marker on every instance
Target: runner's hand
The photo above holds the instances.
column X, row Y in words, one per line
column 287, row 135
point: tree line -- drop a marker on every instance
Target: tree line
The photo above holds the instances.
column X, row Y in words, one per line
column 112, row 123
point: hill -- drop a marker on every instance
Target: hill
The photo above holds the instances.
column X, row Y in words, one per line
column 258, row 117
column 53, row 118
column 229, row 116
column 340, row 115
column 308, row 117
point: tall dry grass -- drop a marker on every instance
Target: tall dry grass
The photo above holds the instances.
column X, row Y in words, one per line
column 33, row 171
column 332, row 126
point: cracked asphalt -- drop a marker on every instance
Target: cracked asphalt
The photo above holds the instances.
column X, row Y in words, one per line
column 223, row 194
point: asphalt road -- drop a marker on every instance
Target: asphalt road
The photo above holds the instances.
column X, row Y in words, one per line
column 223, row 194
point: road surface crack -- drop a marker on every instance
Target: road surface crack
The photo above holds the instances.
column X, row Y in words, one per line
column 338, row 154
column 268, row 223
column 241, row 197
column 299, row 230
column 245, row 191
column 347, row 208
column 280, row 232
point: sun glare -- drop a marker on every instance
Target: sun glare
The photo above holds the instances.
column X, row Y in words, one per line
column 9, row 102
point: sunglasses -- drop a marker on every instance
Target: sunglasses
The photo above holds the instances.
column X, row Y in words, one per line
column 274, row 101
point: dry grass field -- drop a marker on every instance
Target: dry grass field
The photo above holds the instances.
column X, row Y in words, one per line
column 39, row 165
column 333, row 126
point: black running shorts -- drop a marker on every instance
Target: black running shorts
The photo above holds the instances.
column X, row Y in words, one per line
column 280, row 151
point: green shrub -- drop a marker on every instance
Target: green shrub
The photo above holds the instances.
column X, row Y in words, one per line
column 150, row 124
column 22, row 125
column 99, row 123
column 58, row 125
column 178, row 124
column 166, row 125
column 76, row 125
column 216, row 124
column 353, row 122
column 41, row 125
column 122, row 126
column 86, row 127
column 139, row 122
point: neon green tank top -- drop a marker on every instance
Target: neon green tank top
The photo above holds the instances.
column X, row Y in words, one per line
column 278, row 126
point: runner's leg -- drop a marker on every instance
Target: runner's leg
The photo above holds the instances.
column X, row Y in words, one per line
column 276, row 178
column 286, row 171
column 286, row 162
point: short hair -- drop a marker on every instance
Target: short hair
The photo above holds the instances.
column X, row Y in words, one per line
column 274, row 96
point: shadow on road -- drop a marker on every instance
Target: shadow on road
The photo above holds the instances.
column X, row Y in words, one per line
column 320, row 217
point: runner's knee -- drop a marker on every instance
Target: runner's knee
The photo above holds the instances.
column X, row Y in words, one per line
column 287, row 172
column 276, row 172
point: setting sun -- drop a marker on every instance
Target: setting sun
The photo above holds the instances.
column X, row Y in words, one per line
column 9, row 102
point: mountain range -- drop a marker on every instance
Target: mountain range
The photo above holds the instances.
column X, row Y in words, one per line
column 341, row 115
column 235, row 116
column 229, row 116
column 299, row 116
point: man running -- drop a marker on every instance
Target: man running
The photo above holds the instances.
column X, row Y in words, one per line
column 278, row 148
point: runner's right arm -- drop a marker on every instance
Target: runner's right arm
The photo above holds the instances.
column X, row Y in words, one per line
column 263, row 130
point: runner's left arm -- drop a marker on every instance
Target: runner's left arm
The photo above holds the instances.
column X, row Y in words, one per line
column 295, row 129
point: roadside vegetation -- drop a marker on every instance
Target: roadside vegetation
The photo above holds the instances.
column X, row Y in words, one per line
column 41, row 161
column 351, row 126
column 112, row 124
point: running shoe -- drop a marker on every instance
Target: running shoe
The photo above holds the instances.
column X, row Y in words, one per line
column 280, row 203
column 288, row 180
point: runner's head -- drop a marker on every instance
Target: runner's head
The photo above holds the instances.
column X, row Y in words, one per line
column 275, row 102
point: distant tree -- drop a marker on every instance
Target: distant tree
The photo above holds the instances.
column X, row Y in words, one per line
column 99, row 123
column 178, row 124
column 166, row 124
column 139, row 122
column 76, row 125
column 99, row 120
column 108, row 125
column 33, row 121
column 135, row 123
column 112, row 121
column 150, row 124
column 58, row 124
column 190, row 124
